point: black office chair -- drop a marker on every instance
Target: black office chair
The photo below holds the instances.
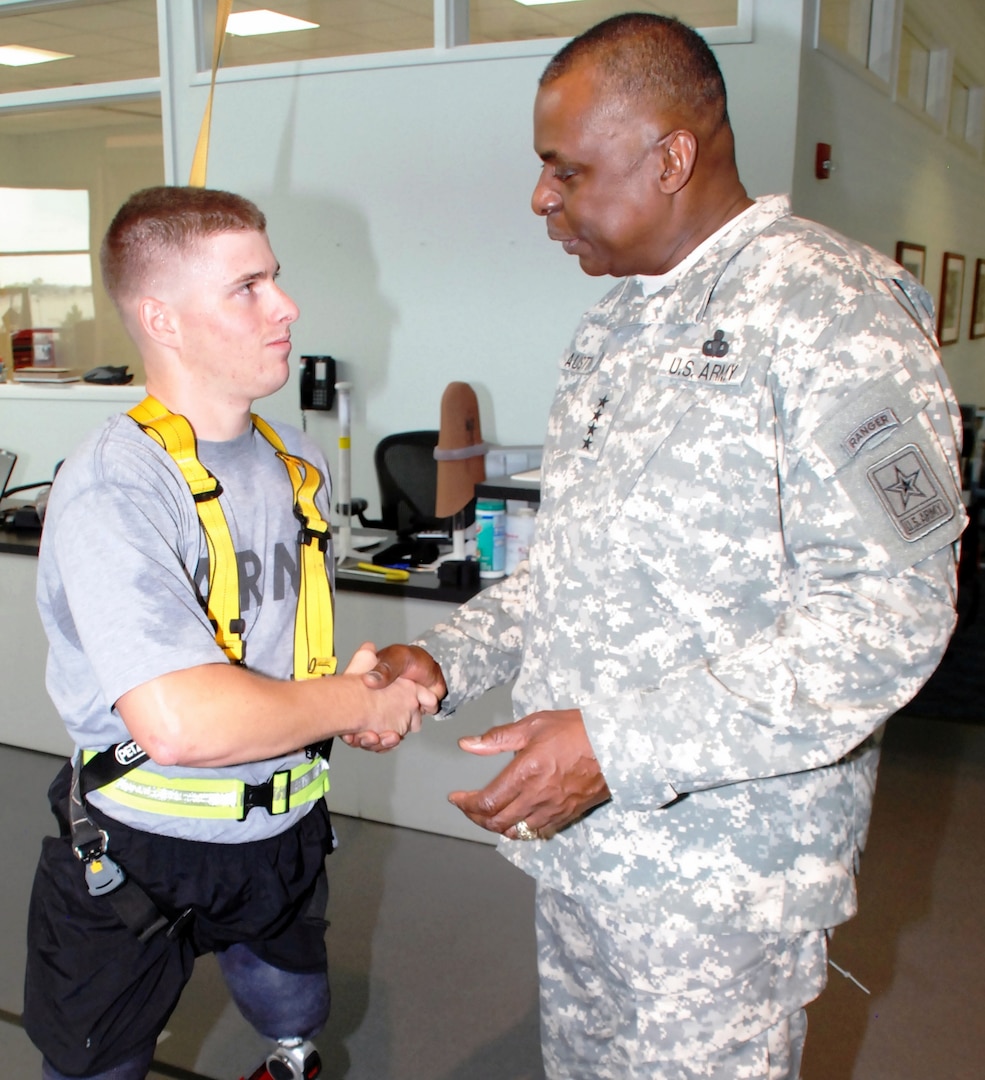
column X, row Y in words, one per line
column 407, row 475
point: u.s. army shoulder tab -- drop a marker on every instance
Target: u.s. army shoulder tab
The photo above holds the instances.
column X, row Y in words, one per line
column 916, row 501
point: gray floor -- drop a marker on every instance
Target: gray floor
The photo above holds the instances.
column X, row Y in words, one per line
column 433, row 954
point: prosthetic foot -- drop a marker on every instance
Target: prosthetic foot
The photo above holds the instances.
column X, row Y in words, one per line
column 292, row 1060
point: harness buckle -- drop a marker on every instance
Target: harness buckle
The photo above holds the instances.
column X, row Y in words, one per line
column 92, row 848
column 262, row 795
column 103, row 875
column 307, row 535
column 206, row 494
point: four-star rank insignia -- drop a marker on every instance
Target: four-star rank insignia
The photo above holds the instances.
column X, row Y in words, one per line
column 597, row 409
column 910, row 492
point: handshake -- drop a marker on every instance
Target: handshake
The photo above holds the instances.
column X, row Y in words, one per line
column 407, row 685
column 552, row 776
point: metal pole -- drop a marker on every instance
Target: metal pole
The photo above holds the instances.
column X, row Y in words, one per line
column 343, row 539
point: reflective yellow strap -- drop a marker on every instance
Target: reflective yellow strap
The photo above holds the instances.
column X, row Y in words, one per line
column 314, row 631
column 213, row 798
column 175, row 434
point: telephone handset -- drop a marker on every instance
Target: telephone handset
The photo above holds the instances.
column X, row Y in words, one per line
column 317, row 382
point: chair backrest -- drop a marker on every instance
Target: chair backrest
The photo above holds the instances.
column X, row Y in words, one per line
column 408, row 477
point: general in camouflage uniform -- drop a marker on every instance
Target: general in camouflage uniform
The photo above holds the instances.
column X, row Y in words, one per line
column 744, row 562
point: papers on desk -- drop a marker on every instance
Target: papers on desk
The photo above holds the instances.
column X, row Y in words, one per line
column 46, row 375
column 527, row 475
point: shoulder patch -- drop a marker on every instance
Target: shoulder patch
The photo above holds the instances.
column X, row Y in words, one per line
column 879, row 422
column 916, row 501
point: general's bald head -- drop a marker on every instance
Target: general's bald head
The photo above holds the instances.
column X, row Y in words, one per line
column 652, row 62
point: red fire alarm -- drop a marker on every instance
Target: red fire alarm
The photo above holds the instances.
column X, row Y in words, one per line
column 822, row 160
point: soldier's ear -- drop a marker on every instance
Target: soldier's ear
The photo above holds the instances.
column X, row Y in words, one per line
column 676, row 157
column 156, row 319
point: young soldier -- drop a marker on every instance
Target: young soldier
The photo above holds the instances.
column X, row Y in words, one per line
column 184, row 614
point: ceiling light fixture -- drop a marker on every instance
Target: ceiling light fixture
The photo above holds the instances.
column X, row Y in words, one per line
column 537, row 3
column 263, row 21
column 23, row 55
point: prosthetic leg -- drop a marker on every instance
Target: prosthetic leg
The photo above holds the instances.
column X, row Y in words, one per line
column 293, row 1059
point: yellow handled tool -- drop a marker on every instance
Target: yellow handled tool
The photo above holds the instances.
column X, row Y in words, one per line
column 390, row 573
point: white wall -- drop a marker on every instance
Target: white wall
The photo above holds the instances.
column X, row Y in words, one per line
column 398, row 201
column 897, row 177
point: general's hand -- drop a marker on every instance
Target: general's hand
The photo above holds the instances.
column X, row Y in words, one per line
column 394, row 662
column 408, row 662
column 553, row 778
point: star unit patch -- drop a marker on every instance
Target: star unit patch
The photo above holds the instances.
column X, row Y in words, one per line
column 917, row 503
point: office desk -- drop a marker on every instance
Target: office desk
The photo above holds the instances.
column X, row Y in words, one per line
column 509, row 488
column 407, row 786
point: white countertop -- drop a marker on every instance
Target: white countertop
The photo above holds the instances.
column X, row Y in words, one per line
column 77, row 391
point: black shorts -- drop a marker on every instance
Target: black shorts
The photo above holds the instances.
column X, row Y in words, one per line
column 94, row 995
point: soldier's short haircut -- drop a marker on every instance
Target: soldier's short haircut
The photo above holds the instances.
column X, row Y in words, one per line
column 642, row 57
column 159, row 222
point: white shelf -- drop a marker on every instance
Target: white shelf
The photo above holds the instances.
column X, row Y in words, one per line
column 77, row 391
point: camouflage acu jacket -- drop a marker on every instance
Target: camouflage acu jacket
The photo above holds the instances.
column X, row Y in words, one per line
column 743, row 563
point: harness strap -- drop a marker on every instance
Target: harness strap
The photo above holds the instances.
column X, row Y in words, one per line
column 313, row 622
column 175, row 434
column 104, row 877
column 209, row 797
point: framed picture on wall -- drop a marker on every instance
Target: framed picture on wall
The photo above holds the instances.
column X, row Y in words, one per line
column 952, row 286
column 912, row 257
column 978, row 302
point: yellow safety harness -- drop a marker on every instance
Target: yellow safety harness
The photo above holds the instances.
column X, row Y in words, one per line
column 313, row 627
column 114, row 772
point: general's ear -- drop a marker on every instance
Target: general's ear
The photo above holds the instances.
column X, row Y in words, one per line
column 677, row 157
column 157, row 320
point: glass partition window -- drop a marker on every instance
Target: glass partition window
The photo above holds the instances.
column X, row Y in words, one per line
column 64, row 172
column 914, row 70
column 93, row 42
column 845, row 24
column 45, row 270
column 340, row 28
column 923, row 81
column 105, row 41
column 861, row 31
column 514, row 20
column 354, row 27
column 957, row 120
column 965, row 109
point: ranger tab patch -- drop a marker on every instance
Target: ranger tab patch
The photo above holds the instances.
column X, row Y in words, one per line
column 917, row 503
column 882, row 421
